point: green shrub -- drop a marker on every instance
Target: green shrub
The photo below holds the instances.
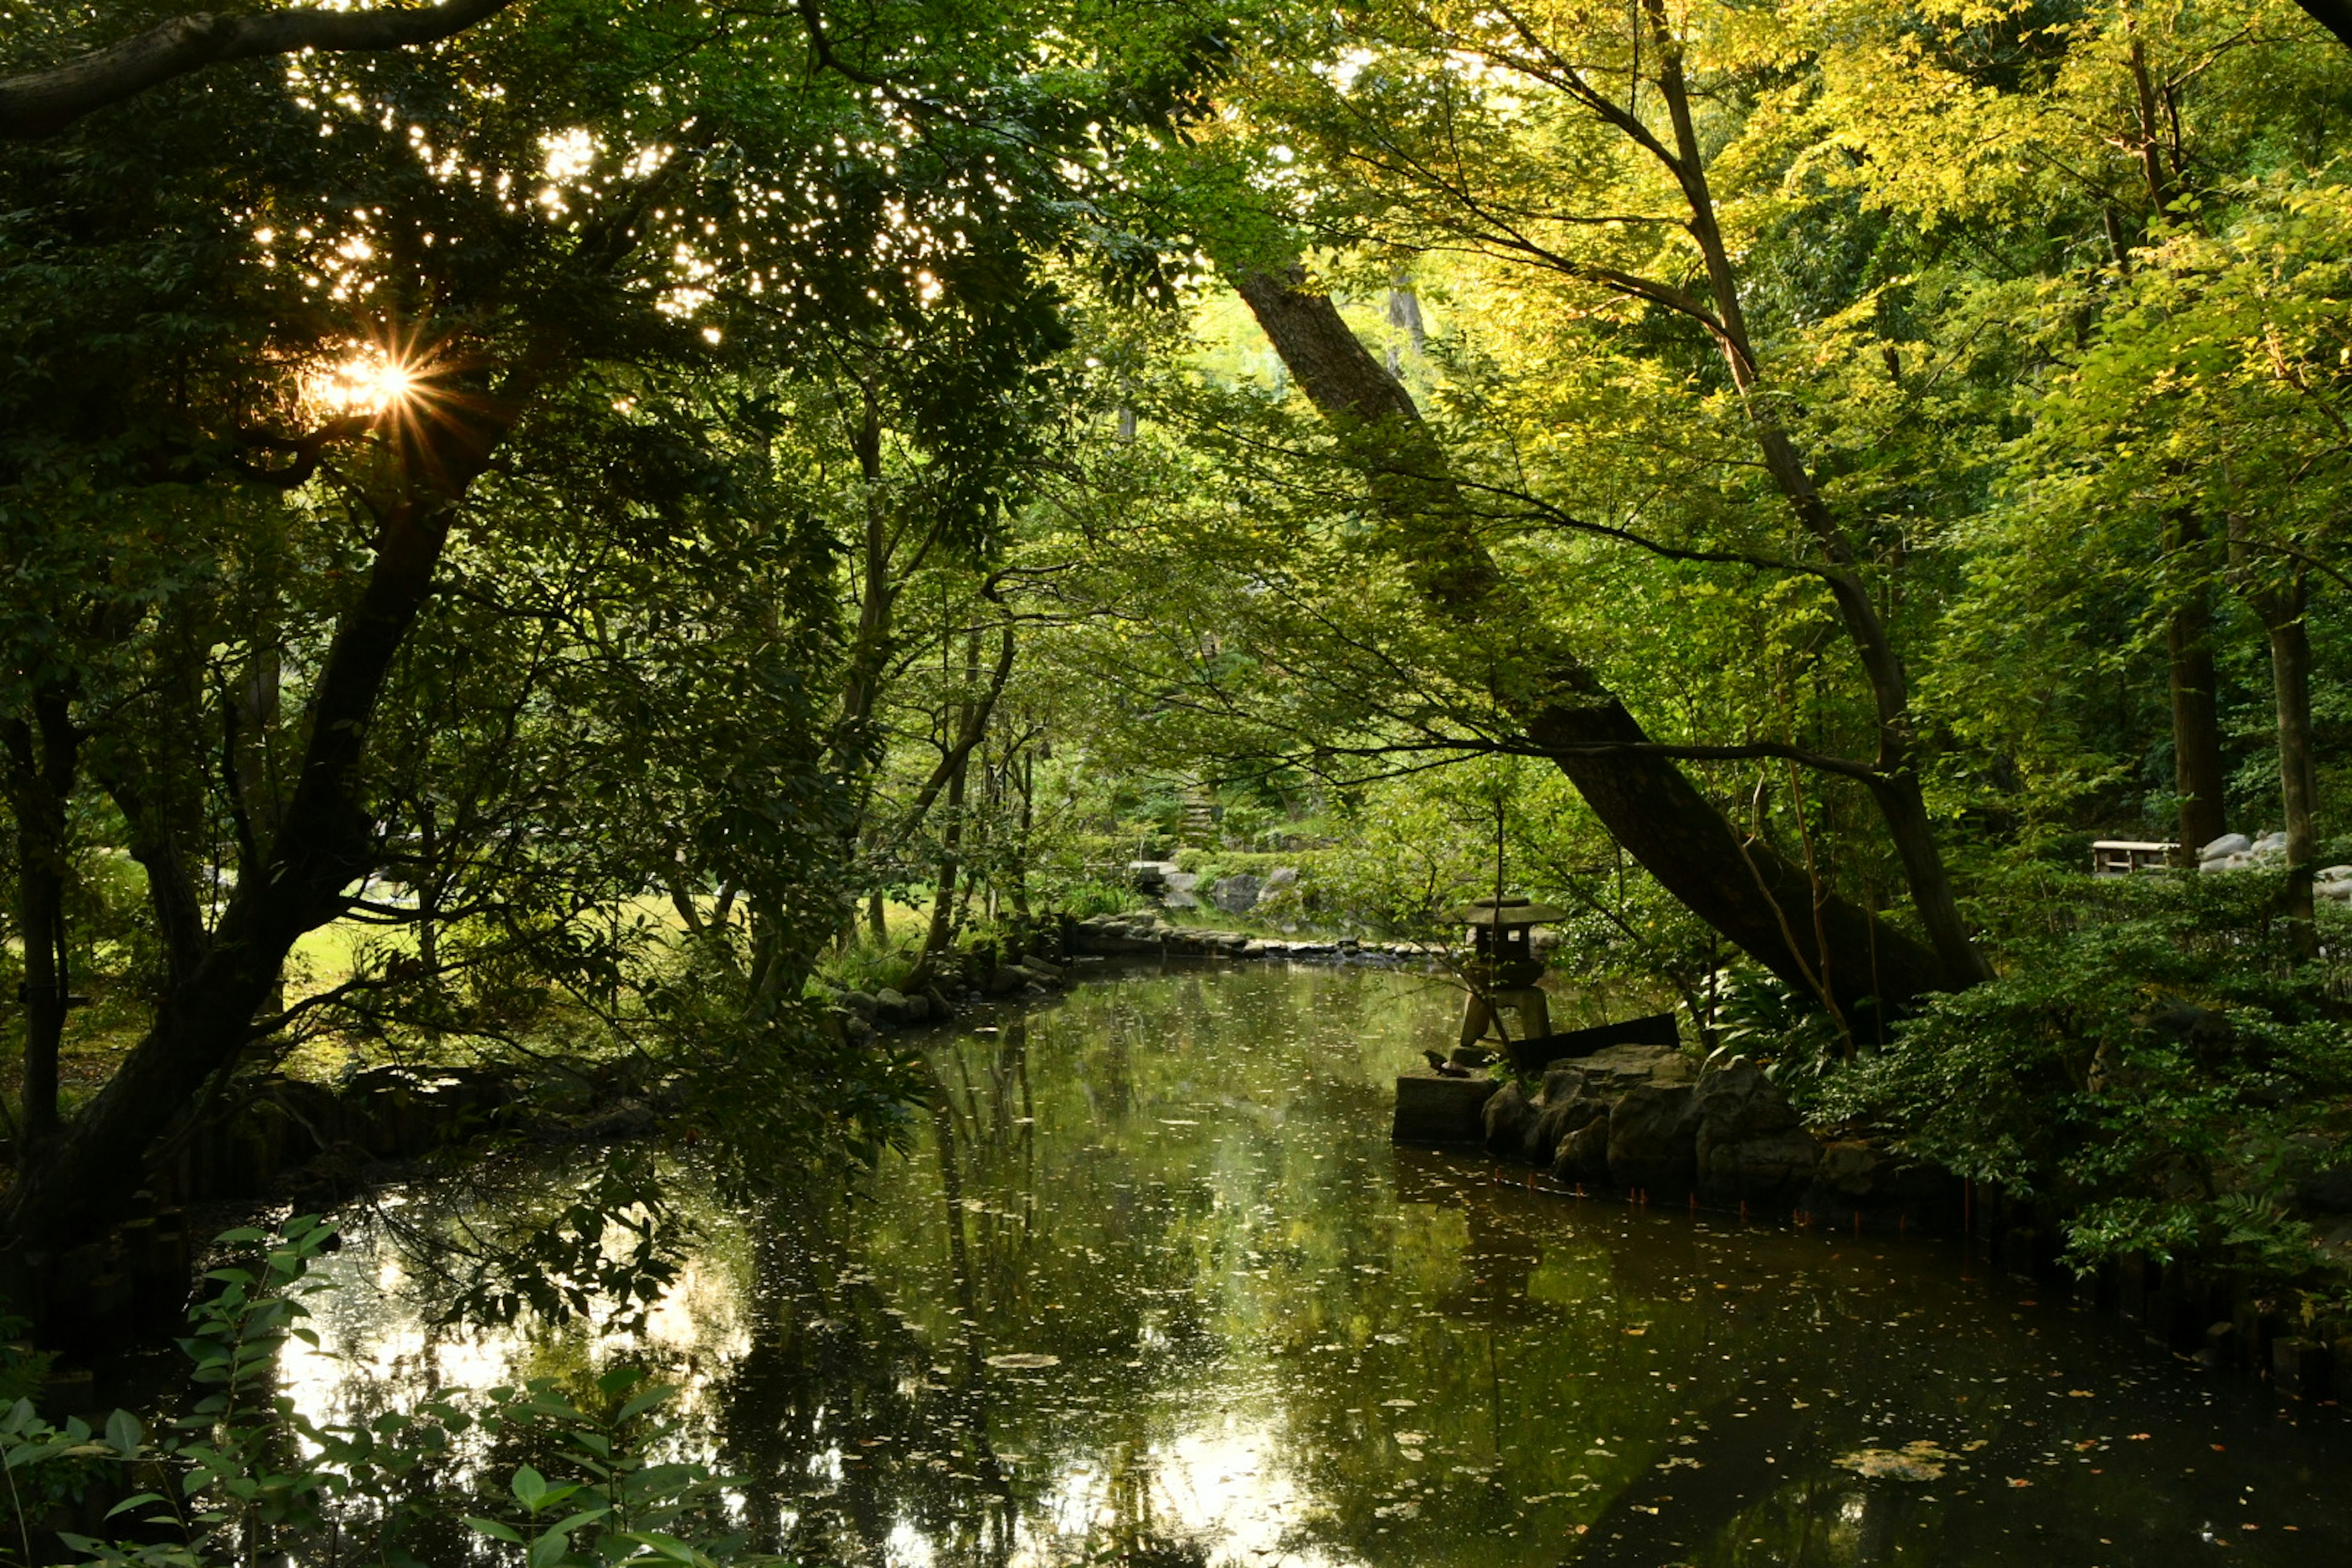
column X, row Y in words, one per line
column 2152, row 1060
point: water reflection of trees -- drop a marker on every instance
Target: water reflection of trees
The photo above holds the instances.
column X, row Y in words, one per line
column 1166, row 1219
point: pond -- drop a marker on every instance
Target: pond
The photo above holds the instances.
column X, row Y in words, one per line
column 1153, row 1287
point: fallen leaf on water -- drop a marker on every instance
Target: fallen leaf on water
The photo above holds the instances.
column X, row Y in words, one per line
column 1911, row 1462
column 2018, row 1481
column 1023, row 1361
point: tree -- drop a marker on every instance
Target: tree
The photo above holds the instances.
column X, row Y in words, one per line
column 495, row 258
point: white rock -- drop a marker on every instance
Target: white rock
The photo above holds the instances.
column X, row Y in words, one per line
column 2270, row 841
column 2333, row 874
column 2228, row 844
column 2340, row 892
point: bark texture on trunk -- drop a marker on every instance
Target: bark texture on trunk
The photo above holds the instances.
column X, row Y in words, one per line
column 2197, row 767
column 2290, row 641
column 1757, row 897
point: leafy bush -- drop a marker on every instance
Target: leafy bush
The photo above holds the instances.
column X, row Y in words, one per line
column 2152, row 1061
column 246, row 1476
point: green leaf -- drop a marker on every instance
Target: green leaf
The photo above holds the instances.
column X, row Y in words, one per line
column 668, row 1546
column 548, row 1549
column 494, row 1530
column 645, row 1401
column 530, row 1486
column 123, row 1432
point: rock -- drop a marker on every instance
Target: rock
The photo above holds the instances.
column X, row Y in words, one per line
column 1509, row 1118
column 942, row 1011
column 2268, row 842
column 1559, row 1120
column 1652, row 1138
column 892, row 1007
column 859, row 1029
column 2333, row 874
column 1149, row 875
column 1750, row 1142
column 1733, row 1099
column 2329, row 1191
column 1281, row 877
column 1236, row 894
column 1263, row 949
column 860, row 1005
column 1849, row 1166
column 1433, row 1110
column 2228, row 844
column 2339, row 891
column 1178, row 890
column 1583, row 1155
column 1764, row 1166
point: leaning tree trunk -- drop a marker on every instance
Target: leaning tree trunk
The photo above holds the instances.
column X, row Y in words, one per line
column 1754, row 896
column 324, row 842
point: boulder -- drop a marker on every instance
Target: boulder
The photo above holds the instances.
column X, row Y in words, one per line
column 1510, row 1116
column 1750, row 1142
column 1236, row 894
column 1179, row 890
column 2228, row 844
column 860, row 1005
column 1765, row 1167
column 1583, row 1155
column 1652, row 1138
column 1849, row 1167
column 1557, row 1121
column 2268, row 843
column 2333, row 874
column 1281, row 877
column 894, row 1007
column 1734, row 1101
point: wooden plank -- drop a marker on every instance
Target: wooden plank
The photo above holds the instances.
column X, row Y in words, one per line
column 1529, row 1058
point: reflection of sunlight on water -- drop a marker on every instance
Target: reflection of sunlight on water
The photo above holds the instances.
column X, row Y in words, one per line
column 378, row 1349
column 1152, row 1287
column 1216, row 1488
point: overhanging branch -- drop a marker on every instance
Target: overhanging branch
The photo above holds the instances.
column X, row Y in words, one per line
column 39, row 103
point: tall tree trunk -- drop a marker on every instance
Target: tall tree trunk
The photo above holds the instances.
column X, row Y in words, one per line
column 2197, row 767
column 2290, row 641
column 44, row 760
column 1746, row 890
column 941, row 931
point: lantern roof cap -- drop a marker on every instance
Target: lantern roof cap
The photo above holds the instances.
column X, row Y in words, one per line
column 1506, row 912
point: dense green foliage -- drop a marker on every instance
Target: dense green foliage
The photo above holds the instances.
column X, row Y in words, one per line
column 550, row 541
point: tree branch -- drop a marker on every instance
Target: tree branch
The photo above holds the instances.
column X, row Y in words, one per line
column 38, row 103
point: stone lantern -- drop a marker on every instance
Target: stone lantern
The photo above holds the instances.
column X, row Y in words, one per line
column 1502, row 969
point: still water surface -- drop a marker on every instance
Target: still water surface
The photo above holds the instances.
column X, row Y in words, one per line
column 1153, row 1287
